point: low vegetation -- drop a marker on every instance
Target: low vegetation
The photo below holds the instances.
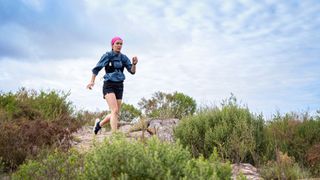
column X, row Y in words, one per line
column 36, row 127
column 117, row 158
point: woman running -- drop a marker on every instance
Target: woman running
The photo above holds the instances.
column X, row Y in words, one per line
column 114, row 63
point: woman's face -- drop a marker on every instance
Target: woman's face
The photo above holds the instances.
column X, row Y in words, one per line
column 117, row 46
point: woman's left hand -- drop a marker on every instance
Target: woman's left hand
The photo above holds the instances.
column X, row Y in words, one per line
column 134, row 60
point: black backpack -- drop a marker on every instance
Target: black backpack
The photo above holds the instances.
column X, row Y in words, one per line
column 109, row 68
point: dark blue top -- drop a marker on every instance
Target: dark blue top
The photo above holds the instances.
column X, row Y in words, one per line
column 119, row 61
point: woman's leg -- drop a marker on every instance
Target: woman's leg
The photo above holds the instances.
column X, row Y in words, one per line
column 113, row 105
column 105, row 120
column 108, row 117
column 119, row 107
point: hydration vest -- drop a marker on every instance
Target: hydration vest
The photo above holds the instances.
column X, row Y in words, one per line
column 115, row 64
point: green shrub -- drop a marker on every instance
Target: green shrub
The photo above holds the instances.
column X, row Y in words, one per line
column 129, row 112
column 232, row 129
column 201, row 168
column 118, row 158
column 56, row 165
column 162, row 105
column 88, row 118
column 135, row 160
column 30, row 104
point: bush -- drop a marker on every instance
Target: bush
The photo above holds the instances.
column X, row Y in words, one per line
column 118, row 158
column 162, row 105
column 56, row 165
column 217, row 169
column 313, row 159
column 297, row 135
column 29, row 104
column 30, row 121
column 232, row 129
column 283, row 168
column 153, row 160
column 129, row 112
column 135, row 160
column 26, row 138
column 88, row 118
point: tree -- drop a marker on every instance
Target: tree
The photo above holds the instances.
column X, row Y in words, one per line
column 162, row 105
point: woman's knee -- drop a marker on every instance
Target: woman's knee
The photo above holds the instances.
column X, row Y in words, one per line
column 115, row 111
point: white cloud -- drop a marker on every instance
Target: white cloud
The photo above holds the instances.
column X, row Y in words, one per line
column 265, row 52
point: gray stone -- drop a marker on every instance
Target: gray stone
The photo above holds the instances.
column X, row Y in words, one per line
column 163, row 128
column 249, row 171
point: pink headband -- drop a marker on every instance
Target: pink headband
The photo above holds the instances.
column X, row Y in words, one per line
column 115, row 39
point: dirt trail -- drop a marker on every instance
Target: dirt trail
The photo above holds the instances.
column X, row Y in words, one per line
column 84, row 138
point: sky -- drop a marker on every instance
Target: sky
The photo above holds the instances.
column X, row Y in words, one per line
column 266, row 53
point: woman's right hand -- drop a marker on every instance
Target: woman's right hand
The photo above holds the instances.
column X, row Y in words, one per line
column 90, row 85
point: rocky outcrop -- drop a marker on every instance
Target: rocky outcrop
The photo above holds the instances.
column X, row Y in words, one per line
column 163, row 128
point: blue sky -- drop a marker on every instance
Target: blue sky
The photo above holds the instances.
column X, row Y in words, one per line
column 265, row 52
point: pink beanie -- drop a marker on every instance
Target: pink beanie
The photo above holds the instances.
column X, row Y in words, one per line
column 115, row 39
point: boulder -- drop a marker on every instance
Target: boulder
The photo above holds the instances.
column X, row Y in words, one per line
column 163, row 129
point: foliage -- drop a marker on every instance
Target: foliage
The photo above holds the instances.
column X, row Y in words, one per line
column 30, row 121
column 135, row 160
column 283, row 168
column 30, row 104
column 88, row 118
column 118, row 158
column 56, row 165
column 24, row 138
column 298, row 135
column 162, row 105
column 129, row 112
column 232, row 129
column 313, row 159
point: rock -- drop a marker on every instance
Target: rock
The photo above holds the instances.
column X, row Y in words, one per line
column 249, row 171
column 163, row 128
column 125, row 129
column 139, row 135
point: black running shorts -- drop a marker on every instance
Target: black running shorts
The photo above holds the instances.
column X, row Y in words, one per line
column 113, row 87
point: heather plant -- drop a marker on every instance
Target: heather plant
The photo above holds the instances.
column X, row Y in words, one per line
column 30, row 121
column 26, row 138
column 284, row 167
column 297, row 135
column 313, row 159
column 163, row 105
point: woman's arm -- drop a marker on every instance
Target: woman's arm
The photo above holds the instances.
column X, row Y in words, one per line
column 134, row 63
column 103, row 61
column 91, row 84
